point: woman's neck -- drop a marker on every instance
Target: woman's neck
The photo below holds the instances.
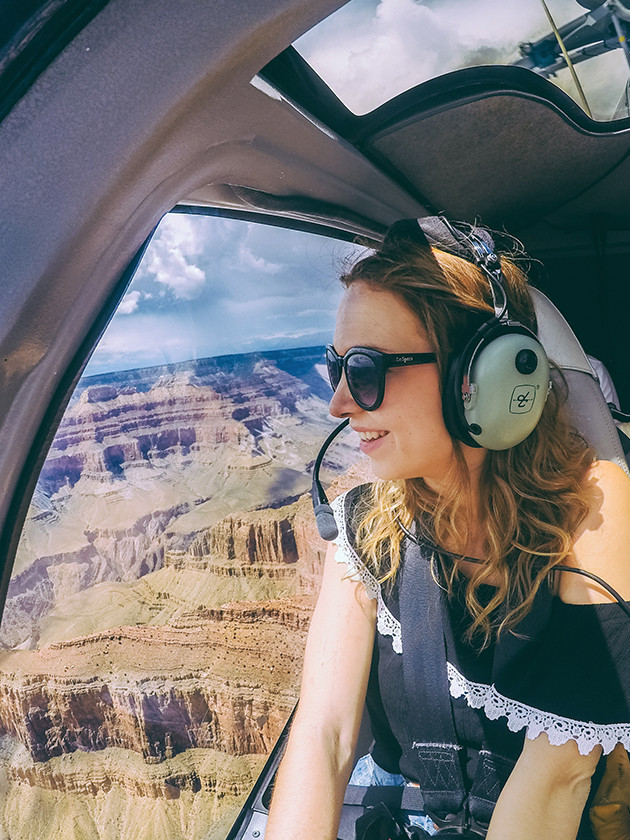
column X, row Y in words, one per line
column 466, row 534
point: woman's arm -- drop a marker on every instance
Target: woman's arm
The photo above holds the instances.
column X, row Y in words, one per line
column 602, row 542
column 310, row 784
column 545, row 795
column 548, row 788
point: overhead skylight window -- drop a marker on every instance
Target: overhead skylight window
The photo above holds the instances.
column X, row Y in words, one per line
column 371, row 50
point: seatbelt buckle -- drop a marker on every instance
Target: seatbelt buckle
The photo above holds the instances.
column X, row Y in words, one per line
column 378, row 823
column 462, row 825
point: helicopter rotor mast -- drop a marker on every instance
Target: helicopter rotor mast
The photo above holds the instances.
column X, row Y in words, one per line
column 620, row 17
column 605, row 27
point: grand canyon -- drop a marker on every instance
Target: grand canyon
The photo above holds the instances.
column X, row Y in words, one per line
column 156, row 618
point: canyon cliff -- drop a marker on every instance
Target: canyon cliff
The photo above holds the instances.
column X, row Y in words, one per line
column 143, row 460
column 158, row 611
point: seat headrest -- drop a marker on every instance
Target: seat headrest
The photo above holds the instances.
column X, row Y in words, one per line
column 587, row 406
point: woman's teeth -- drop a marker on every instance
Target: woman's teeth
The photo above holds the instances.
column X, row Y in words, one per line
column 371, row 435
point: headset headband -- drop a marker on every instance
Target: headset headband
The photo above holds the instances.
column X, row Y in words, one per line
column 463, row 240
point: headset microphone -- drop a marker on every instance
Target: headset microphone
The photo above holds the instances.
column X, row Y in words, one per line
column 324, row 517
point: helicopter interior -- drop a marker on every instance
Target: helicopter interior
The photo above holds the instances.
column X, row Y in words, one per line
column 116, row 112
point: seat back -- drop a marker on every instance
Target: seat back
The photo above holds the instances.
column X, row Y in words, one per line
column 587, row 405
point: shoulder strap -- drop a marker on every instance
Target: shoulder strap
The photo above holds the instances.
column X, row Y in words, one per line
column 431, row 730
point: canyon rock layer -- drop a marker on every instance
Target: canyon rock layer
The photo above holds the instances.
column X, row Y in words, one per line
column 160, row 599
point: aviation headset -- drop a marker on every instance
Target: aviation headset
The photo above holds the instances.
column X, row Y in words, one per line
column 497, row 379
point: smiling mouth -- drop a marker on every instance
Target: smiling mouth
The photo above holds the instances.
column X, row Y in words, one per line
column 371, row 435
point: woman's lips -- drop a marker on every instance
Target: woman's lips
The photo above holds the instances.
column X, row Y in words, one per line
column 370, row 440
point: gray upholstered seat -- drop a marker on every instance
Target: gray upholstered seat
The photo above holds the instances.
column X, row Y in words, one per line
column 586, row 402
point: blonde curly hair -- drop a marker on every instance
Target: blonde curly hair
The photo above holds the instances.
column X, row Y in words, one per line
column 533, row 495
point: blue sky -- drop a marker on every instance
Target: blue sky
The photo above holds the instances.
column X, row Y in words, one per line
column 209, row 286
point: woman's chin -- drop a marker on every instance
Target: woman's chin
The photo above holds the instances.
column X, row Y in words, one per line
column 388, row 472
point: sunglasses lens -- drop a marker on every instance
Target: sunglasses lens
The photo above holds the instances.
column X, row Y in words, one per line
column 363, row 379
column 335, row 367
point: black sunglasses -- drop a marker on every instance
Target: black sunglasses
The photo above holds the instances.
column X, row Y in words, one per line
column 365, row 371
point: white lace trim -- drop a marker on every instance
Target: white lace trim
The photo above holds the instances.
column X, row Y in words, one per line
column 559, row 730
column 386, row 624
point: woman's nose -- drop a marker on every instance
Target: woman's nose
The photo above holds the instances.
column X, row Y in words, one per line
column 342, row 405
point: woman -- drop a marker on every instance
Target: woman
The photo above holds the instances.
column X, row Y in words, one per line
column 537, row 660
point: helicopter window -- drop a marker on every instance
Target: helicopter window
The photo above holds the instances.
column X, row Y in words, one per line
column 371, row 50
column 155, row 620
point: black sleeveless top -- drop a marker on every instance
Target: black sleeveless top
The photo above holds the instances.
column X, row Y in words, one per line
column 564, row 670
column 388, row 705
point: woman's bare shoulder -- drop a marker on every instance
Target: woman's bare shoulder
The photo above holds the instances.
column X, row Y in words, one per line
column 602, row 540
column 607, row 473
column 608, row 489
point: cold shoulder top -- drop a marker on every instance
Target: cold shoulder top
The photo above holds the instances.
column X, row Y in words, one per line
column 563, row 670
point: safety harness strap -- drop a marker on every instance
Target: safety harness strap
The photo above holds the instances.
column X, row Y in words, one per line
column 431, row 730
column 426, row 636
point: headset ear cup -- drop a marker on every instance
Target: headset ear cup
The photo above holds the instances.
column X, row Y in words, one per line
column 509, row 383
column 510, row 380
column 452, row 401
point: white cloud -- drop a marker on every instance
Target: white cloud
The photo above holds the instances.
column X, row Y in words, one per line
column 384, row 51
column 171, row 254
column 285, row 335
column 142, row 340
column 180, row 232
column 309, row 313
column 129, row 303
column 249, row 261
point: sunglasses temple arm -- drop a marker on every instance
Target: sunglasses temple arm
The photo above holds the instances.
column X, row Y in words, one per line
column 324, row 517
